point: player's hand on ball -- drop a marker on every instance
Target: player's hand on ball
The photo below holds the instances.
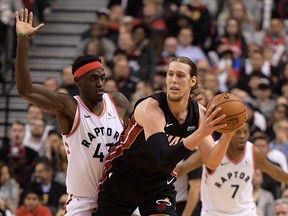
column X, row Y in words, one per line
column 209, row 122
column 24, row 21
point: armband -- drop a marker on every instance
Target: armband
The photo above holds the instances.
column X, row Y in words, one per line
column 23, row 35
column 166, row 156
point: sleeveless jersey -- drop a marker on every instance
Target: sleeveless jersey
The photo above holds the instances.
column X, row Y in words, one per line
column 133, row 158
column 228, row 189
column 88, row 144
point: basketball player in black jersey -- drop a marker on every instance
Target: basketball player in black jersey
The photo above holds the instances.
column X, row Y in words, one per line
column 164, row 128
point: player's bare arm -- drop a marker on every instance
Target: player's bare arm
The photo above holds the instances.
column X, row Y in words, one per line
column 149, row 115
column 211, row 154
column 35, row 93
column 191, row 163
column 266, row 166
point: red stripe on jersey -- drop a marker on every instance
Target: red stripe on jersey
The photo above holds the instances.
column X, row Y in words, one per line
column 77, row 124
column 67, row 202
column 126, row 140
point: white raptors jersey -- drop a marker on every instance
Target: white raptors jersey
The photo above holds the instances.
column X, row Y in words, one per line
column 228, row 189
column 88, row 144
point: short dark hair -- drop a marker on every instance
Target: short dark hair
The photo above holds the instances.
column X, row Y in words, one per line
column 82, row 60
column 261, row 136
column 34, row 190
column 17, row 122
column 144, row 27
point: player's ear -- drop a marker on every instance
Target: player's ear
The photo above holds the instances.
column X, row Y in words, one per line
column 77, row 80
column 193, row 81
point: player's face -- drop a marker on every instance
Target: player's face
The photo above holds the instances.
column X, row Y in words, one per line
column 179, row 81
column 91, row 85
column 240, row 138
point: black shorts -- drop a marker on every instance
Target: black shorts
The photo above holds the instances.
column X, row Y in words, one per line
column 121, row 195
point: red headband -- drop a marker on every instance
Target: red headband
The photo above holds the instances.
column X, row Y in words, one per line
column 86, row 68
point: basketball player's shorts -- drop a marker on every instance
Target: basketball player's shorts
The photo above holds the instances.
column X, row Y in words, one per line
column 121, row 195
column 80, row 206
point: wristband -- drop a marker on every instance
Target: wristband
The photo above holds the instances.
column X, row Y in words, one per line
column 23, row 35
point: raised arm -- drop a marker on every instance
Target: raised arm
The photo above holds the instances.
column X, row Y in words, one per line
column 34, row 93
column 266, row 166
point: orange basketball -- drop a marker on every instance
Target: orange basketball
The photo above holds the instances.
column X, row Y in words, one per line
column 234, row 109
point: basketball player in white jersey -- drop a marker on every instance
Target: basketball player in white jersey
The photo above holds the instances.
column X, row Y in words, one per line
column 227, row 190
column 90, row 123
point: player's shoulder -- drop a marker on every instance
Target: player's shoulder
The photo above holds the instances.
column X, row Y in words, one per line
column 119, row 99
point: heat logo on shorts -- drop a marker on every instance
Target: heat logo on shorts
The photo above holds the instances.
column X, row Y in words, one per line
column 162, row 204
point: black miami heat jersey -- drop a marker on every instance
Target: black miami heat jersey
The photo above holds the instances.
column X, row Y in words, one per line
column 132, row 156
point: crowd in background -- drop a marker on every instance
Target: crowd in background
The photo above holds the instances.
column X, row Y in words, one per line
column 239, row 46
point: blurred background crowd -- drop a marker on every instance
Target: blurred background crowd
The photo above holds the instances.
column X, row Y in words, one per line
column 239, row 46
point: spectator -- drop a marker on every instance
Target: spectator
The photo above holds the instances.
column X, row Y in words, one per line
column 99, row 32
column 233, row 40
column 200, row 20
column 68, row 80
column 204, row 68
column 32, row 205
column 284, row 193
column 110, row 85
column 237, row 9
column 185, row 47
column 61, row 205
column 227, row 70
column 36, row 140
column 256, row 120
column 35, row 113
column 170, row 47
column 56, row 153
column 20, row 157
column 51, row 83
column 276, row 38
column 126, row 83
column 280, row 142
column 281, row 207
column 7, row 8
column 264, row 98
column 140, row 61
column 44, row 181
column 276, row 157
column 280, row 112
column 263, row 198
column 132, row 8
column 9, row 188
column 4, row 210
column 261, row 140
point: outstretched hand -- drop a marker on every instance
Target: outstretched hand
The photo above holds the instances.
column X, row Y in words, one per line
column 24, row 22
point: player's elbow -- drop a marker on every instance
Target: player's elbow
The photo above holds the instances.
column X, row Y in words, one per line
column 210, row 164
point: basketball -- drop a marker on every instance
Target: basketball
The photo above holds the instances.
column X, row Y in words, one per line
column 234, row 109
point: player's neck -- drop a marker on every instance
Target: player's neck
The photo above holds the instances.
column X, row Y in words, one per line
column 179, row 109
column 95, row 107
column 235, row 156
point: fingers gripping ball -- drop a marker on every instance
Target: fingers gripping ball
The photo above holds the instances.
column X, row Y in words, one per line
column 234, row 109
